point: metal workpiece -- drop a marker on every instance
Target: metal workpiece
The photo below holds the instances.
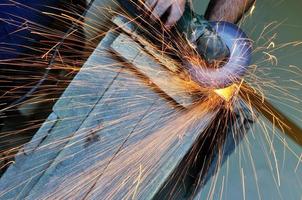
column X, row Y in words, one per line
column 170, row 83
column 122, row 129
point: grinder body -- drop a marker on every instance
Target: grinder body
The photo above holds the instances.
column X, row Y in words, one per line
column 213, row 41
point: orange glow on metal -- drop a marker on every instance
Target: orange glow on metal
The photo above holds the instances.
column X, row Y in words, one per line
column 228, row 92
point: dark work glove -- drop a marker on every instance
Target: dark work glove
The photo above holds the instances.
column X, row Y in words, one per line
column 202, row 36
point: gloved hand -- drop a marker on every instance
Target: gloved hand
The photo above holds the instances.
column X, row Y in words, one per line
column 202, row 36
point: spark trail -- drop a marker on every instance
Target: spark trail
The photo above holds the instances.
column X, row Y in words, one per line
column 133, row 162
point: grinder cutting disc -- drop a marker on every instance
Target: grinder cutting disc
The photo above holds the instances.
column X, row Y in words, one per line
column 236, row 65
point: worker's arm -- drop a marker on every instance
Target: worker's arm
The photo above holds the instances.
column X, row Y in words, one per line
column 227, row 10
column 218, row 10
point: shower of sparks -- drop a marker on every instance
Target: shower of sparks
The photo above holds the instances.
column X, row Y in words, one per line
column 132, row 161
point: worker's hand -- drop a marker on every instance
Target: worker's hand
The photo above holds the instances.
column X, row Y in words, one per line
column 159, row 7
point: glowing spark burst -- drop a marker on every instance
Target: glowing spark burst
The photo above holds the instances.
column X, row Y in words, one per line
column 228, row 92
column 132, row 164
